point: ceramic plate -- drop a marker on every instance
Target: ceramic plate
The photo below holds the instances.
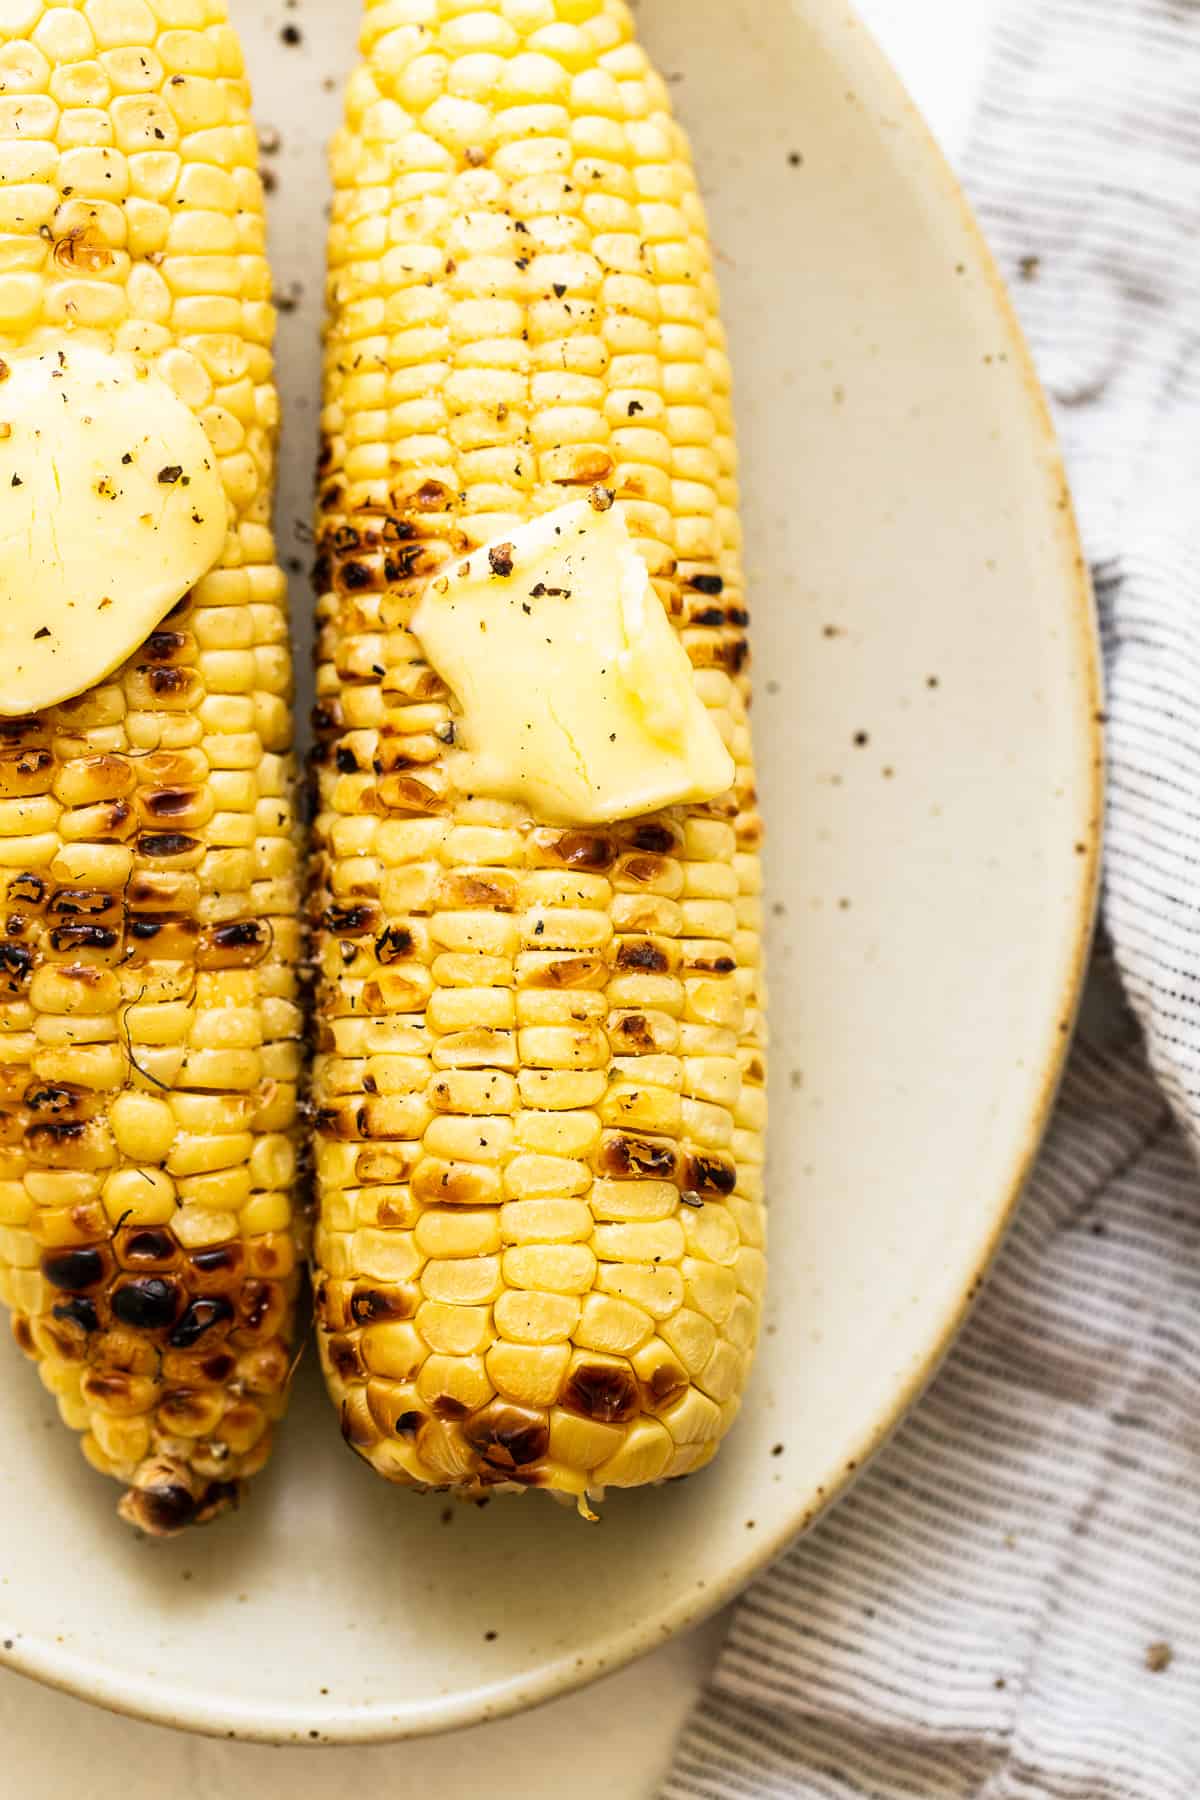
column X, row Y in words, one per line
column 928, row 740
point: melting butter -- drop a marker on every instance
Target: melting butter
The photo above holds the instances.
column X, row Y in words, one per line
column 577, row 697
column 111, row 508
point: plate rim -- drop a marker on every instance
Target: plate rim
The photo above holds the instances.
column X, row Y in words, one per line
column 49, row 1665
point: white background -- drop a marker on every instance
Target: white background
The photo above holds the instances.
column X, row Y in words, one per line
column 612, row 1742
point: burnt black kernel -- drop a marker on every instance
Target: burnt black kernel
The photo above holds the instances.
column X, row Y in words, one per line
column 79, row 1311
column 161, row 646
column 200, row 1317
column 707, row 584
column 369, row 1305
column 169, row 802
column 355, row 576
column 16, row 961
column 147, row 1302
column 349, row 921
column 711, row 615
column 165, row 844
column 409, row 1423
column 634, row 1156
column 240, row 934
column 709, row 1175
column 73, row 1270
column 149, row 1245
column 165, row 1509
column 65, row 938
column 50, row 1098
column 75, row 903
column 347, row 762
column 166, row 682
column 27, row 890
column 392, row 944
column 642, row 955
column 600, row 1391
column 656, row 840
column 345, row 1359
column 508, row 1437
column 218, row 1495
column 584, row 850
column 53, row 1136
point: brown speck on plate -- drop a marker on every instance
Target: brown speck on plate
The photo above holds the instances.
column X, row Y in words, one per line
column 1158, row 1658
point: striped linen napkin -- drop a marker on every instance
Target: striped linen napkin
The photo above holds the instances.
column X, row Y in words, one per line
column 1008, row 1605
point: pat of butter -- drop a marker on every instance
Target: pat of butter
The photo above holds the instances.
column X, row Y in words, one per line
column 111, row 508
column 577, row 697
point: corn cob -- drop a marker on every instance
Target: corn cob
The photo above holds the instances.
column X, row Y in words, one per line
column 540, row 1073
column 148, row 839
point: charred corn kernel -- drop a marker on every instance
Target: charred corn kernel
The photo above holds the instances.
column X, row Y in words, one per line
column 538, row 1093
column 149, row 845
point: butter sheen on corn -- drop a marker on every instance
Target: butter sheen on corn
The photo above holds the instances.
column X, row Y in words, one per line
column 111, row 508
column 539, row 1086
column 149, row 1018
column 573, row 695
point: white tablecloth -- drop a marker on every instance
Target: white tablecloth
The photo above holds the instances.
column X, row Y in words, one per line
column 612, row 1742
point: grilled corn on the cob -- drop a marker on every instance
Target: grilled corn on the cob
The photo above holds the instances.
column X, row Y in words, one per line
column 539, row 1084
column 148, row 847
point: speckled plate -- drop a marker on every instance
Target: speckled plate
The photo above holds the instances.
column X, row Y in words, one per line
column 927, row 709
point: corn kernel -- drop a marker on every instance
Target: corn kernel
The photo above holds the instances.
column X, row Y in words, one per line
column 142, row 1196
